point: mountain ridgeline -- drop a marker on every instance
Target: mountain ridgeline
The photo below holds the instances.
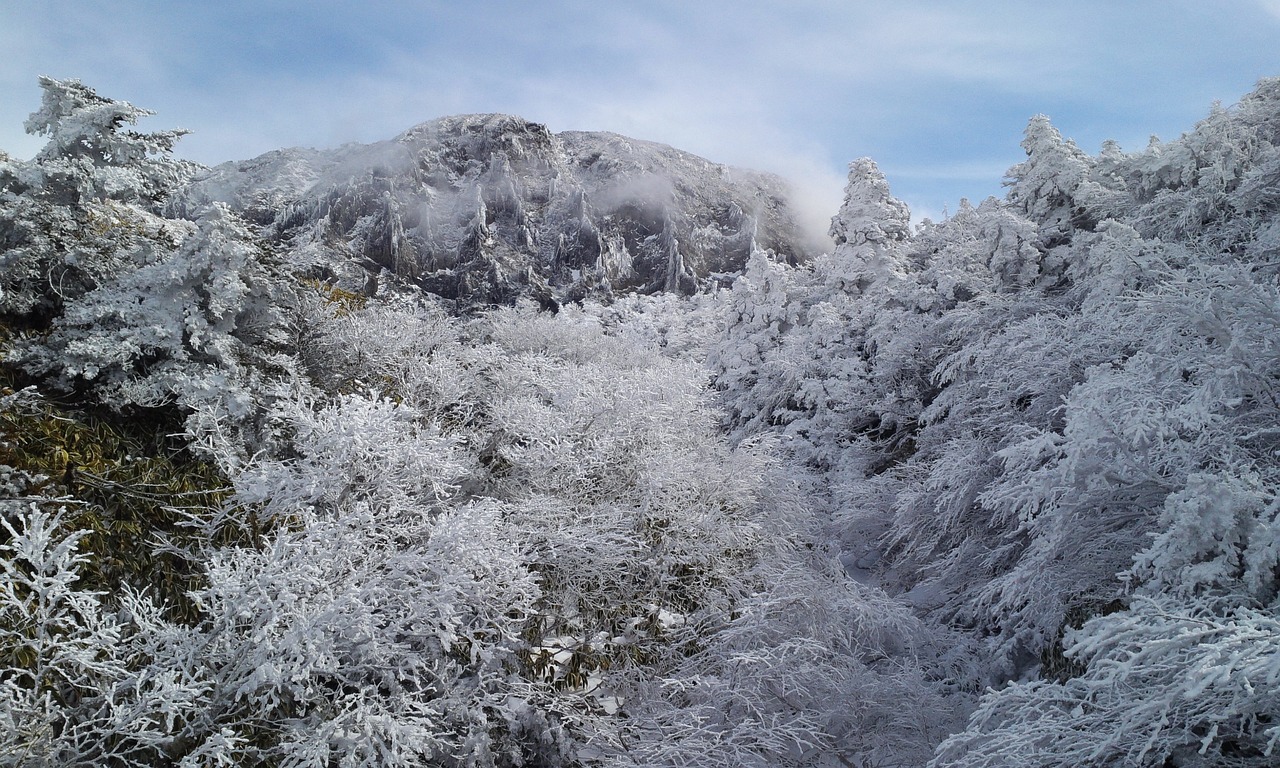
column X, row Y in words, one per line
column 487, row 208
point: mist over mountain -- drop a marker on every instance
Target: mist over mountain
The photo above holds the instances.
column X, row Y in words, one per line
column 485, row 208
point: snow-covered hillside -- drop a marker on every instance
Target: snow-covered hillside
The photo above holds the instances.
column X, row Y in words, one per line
column 277, row 490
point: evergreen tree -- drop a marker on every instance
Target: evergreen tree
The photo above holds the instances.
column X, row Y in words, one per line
column 87, row 205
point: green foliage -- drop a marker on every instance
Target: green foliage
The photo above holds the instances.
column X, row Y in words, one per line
column 124, row 482
column 343, row 301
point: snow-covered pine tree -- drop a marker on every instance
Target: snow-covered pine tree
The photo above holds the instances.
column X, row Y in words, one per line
column 88, row 205
column 184, row 328
column 1043, row 187
column 868, row 228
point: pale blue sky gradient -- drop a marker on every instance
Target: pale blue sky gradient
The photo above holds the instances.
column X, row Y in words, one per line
column 938, row 93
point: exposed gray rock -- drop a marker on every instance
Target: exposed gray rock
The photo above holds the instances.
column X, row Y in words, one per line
column 486, row 208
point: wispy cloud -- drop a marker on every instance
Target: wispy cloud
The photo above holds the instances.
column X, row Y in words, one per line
column 1270, row 6
column 937, row 92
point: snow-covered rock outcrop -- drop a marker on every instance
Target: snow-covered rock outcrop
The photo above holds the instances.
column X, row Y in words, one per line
column 485, row 208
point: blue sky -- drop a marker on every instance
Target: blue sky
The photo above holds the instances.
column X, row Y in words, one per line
column 938, row 93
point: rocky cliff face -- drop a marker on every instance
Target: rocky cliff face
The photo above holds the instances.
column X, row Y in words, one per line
column 486, row 208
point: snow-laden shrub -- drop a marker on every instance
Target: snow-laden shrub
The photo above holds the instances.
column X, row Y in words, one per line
column 70, row 690
column 1167, row 682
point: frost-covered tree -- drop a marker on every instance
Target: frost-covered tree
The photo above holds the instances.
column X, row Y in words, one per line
column 1060, row 379
column 184, row 328
column 125, row 306
column 1168, row 683
column 87, row 205
column 870, row 224
column 760, row 312
column 1044, row 186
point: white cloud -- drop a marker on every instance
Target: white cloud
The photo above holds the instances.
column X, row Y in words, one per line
column 1270, row 6
column 799, row 88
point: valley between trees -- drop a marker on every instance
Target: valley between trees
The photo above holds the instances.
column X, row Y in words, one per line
column 999, row 490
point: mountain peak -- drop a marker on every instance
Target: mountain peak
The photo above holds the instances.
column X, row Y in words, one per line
column 470, row 127
column 563, row 215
